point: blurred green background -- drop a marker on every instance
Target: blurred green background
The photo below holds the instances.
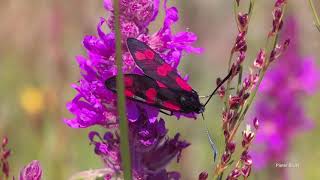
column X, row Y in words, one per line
column 39, row 40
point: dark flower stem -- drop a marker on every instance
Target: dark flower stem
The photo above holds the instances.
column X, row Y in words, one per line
column 266, row 56
column 124, row 142
column 315, row 15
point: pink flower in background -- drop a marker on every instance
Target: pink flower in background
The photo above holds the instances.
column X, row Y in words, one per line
column 282, row 116
column 32, row 171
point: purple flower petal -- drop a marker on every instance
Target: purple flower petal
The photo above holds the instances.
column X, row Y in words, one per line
column 108, row 5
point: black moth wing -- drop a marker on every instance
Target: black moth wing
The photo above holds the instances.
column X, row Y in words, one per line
column 147, row 90
column 155, row 67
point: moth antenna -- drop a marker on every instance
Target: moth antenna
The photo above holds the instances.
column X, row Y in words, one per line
column 212, row 144
column 219, row 85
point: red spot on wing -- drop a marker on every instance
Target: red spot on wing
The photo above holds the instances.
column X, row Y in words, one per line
column 172, row 106
column 183, row 84
column 140, row 56
column 161, row 85
column 128, row 93
column 128, row 81
column 149, row 54
column 151, row 94
column 164, row 69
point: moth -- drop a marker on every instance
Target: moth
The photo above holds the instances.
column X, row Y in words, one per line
column 161, row 86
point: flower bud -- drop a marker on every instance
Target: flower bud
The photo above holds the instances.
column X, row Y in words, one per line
column 243, row 21
column 277, row 20
column 234, row 101
column 246, row 170
column 222, row 91
column 6, row 154
column 226, row 156
column 241, row 44
column 248, row 136
column 6, row 168
column 231, row 146
column 234, row 174
column 226, row 134
column 227, row 116
column 203, row 176
column 4, row 142
column 279, row 3
column 241, row 58
column 246, row 158
column 259, row 62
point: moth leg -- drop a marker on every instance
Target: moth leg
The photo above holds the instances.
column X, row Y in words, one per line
column 171, row 113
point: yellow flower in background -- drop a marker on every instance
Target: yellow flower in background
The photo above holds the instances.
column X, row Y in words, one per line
column 32, row 100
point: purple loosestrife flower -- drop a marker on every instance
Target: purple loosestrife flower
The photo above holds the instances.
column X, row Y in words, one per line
column 280, row 112
column 32, row 171
column 94, row 104
column 151, row 149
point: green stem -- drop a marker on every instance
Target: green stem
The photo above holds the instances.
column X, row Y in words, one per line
column 315, row 15
column 123, row 123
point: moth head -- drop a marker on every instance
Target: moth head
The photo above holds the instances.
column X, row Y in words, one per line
column 190, row 103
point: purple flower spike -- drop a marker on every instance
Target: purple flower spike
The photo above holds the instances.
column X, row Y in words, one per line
column 279, row 110
column 32, row 171
column 94, row 104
